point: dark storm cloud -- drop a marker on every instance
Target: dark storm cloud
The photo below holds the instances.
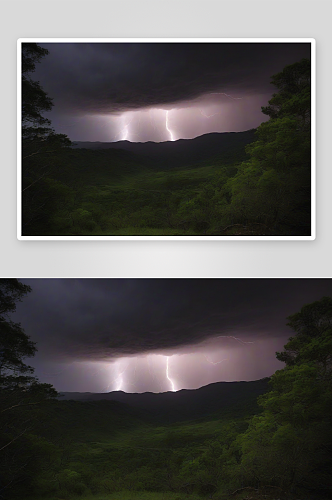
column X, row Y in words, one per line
column 95, row 318
column 101, row 78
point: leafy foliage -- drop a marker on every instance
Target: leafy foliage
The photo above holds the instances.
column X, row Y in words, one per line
column 40, row 144
column 313, row 341
column 290, row 444
column 14, row 344
column 34, row 99
column 273, row 187
column 20, row 395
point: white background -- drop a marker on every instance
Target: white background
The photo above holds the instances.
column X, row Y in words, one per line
column 165, row 18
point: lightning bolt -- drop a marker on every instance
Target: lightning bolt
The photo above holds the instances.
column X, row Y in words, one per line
column 235, row 338
column 119, row 380
column 214, row 363
column 223, row 93
column 125, row 133
column 167, row 128
column 208, row 116
column 167, row 375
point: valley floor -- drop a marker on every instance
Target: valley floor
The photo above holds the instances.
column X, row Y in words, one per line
column 110, row 192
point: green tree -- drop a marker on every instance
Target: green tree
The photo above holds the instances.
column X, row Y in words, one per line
column 273, row 188
column 21, row 394
column 14, row 344
column 34, row 99
column 293, row 97
column 313, row 340
column 289, row 446
column 42, row 148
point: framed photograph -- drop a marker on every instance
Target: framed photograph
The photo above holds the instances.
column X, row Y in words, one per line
column 166, row 139
column 166, row 389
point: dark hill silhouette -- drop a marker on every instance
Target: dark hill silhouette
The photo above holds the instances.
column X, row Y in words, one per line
column 227, row 147
column 91, row 420
column 220, row 398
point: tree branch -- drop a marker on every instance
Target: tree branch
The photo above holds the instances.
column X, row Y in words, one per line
column 38, row 152
column 34, row 182
column 10, row 442
column 23, row 404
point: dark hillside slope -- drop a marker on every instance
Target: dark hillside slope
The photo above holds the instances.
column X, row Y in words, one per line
column 90, row 420
column 228, row 147
column 218, row 399
column 84, row 167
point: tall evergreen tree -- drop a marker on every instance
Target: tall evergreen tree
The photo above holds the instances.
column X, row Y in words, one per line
column 34, row 100
column 273, row 188
column 22, row 396
column 15, row 346
column 41, row 147
column 289, row 446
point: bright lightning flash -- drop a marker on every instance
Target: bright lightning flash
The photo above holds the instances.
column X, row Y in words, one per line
column 167, row 375
column 119, row 380
column 125, row 130
column 208, row 116
column 215, row 363
column 167, row 128
column 125, row 133
column 227, row 95
column 235, row 338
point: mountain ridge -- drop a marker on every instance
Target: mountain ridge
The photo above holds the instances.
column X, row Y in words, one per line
column 224, row 146
column 217, row 399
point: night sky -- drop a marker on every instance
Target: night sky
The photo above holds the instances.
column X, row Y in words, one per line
column 158, row 335
column 160, row 91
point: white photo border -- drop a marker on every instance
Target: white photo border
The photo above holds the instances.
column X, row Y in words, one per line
column 312, row 41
